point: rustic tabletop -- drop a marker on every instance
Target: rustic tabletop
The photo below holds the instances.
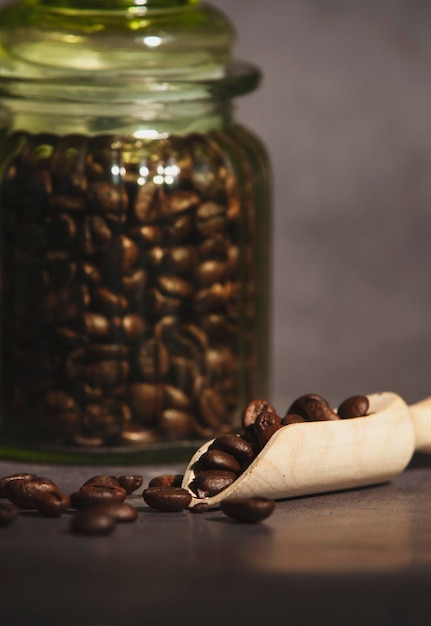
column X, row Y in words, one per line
column 355, row 557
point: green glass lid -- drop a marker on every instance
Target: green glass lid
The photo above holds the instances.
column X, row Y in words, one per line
column 147, row 49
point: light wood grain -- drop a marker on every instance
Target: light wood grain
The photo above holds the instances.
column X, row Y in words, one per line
column 318, row 457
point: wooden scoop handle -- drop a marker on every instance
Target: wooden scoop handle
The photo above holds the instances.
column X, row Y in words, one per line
column 420, row 414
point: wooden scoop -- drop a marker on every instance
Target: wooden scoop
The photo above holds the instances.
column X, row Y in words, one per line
column 316, row 457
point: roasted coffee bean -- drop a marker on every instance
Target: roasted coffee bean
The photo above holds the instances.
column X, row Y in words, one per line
column 129, row 482
column 253, row 409
column 134, row 326
column 8, row 512
column 137, row 436
column 312, row 408
column 212, row 408
column 210, row 272
column 26, row 493
column 265, row 425
column 122, row 512
column 97, row 234
column 211, row 219
column 106, row 418
column 153, row 360
column 102, row 480
column 210, row 482
column 168, row 499
column 145, row 207
column 120, row 257
column 134, row 282
column 52, row 503
column 176, row 424
column 355, row 406
column 107, row 197
column 218, row 460
column 106, row 351
column 68, row 165
column 178, row 229
column 179, row 201
column 106, row 373
column 108, row 302
column 73, row 204
column 174, row 398
column 7, row 479
column 146, row 401
column 292, row 418
column 248, row 510
column 175, row 287
column 234, row 445
column 87, row 441
column 62, row 230
column 61, row 413
column 91, row 495
column 96, row 325
column 148, row 235
column 167, row 480
column 179, row 260
column 94, row 521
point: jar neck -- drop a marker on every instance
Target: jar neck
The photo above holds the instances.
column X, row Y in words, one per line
column 113, row 5
column 151, row 121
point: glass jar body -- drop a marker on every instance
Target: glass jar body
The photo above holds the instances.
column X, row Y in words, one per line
column 135, row 278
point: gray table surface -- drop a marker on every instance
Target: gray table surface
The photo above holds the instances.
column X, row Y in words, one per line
column 355, row 557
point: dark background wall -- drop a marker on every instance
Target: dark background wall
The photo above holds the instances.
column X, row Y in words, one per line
column 344, row 110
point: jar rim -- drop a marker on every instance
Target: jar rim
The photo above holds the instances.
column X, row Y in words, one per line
column 239, row 78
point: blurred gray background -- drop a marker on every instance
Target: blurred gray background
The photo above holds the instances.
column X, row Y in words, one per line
column 344, row 110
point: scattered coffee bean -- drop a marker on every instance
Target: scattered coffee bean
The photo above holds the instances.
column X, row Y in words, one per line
column 91, row 495
column 168, row 499
column 28, row 493
column 94, row 521
column 355, row 406
column 248, row 510
column 129, row 482
column 52, row 503
column 122, row 512
column 7, row 479
column 8, row 512
column 102, row 480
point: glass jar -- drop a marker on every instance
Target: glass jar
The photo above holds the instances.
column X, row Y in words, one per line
column 135, row 230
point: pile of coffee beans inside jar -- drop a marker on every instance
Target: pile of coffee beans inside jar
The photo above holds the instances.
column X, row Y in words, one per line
column 128, row 305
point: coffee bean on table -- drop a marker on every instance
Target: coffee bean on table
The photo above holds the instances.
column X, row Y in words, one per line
column 122, row 512
column 26, row 493
column 129, row 482
column 8, row 512
column 91, row 495
column 167, row 499
column 248, row 510
column 102, row 480
column 94, row 521
column 7, row 479
column 52, row 504
column 355, row 406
